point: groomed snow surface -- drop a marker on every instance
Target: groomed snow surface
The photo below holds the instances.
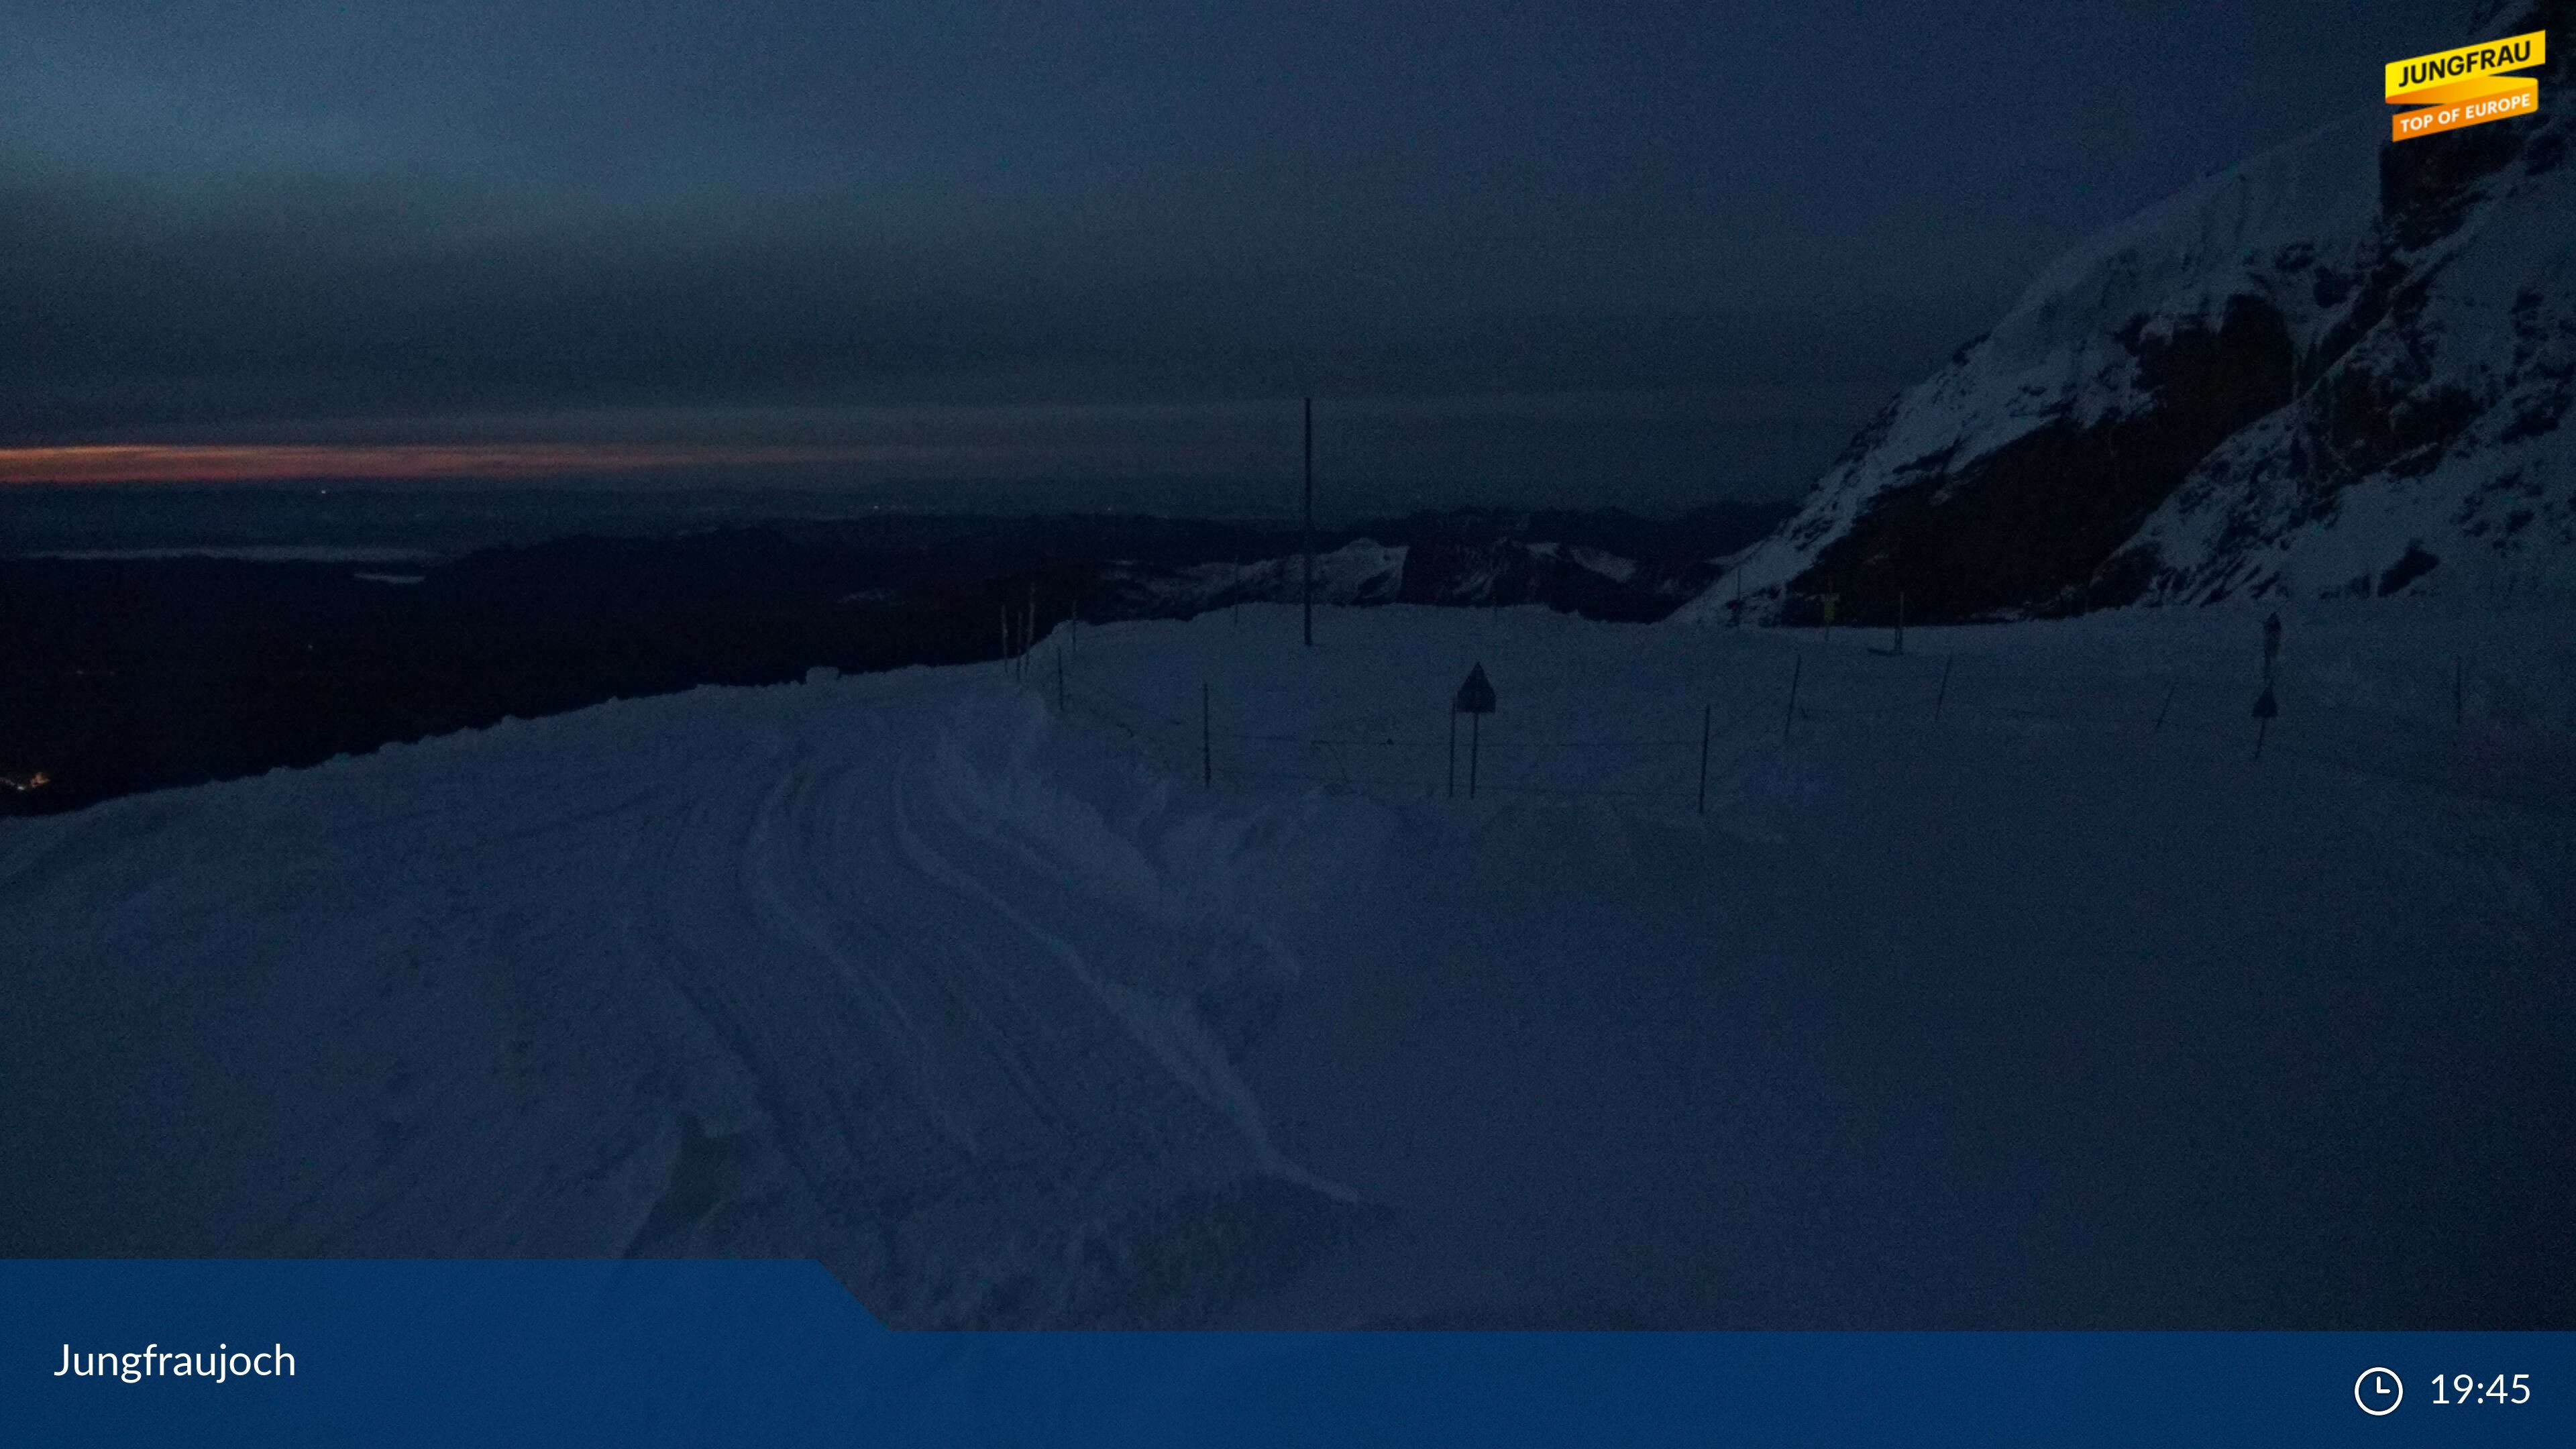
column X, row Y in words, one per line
column 1981, row 1003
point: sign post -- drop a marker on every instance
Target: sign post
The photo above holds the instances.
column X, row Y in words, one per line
column 1475, row 699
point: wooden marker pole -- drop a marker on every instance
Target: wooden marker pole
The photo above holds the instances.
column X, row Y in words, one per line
column 1795, row 671
column 1705, row 711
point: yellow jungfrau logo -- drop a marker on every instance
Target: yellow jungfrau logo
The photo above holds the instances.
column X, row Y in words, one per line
column 2466, row 87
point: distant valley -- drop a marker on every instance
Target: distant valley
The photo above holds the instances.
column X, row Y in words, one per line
column 128, row 673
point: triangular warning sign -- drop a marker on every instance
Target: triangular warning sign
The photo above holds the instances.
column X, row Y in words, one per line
column 1476, row 696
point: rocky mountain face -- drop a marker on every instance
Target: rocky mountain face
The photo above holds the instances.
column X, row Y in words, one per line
column 2341, row 368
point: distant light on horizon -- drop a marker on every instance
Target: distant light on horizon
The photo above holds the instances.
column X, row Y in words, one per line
column 1650, row 448
column 289, row 462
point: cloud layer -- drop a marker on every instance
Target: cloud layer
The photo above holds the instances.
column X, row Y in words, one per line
column 287, row 222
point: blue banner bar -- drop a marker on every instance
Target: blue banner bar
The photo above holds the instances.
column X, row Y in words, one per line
column 777, row 1353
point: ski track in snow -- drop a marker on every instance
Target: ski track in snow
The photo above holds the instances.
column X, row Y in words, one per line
column 798, row 943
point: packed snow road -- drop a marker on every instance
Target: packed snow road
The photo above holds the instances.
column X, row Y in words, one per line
column 1996, row 1005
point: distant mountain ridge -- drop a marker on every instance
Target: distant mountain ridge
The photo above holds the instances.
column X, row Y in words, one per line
column 1603, row 564
column 2338, row 369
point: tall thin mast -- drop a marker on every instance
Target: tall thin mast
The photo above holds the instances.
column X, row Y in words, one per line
column 1307, row 548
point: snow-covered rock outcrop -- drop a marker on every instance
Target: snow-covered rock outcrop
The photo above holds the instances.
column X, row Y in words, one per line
column 2341, row 368
column 1361, row 572
column 1574, row 578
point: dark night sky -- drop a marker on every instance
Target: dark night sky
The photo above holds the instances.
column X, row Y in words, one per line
column 1634, row 252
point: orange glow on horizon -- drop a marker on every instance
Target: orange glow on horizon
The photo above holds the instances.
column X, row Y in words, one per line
column 286, row 462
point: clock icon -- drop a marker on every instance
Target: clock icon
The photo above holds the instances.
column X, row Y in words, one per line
column 2378, row 1391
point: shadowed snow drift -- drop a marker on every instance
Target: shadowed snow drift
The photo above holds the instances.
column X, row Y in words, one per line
column 730, row 973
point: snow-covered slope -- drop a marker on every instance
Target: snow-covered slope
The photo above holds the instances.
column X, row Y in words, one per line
column 2007, row 990
column 2341, row 368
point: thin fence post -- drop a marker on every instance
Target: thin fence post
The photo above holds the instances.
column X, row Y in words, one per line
column 1791, row 718
column 1705, row 711
column 1943, row 697
column 2161, row 709
column 1207, row 747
